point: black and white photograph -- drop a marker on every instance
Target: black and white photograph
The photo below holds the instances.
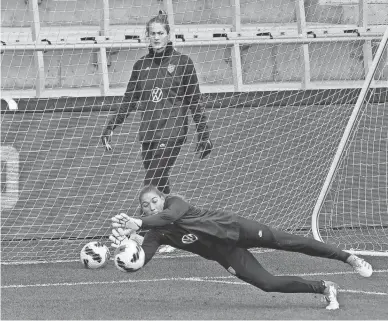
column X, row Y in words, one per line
column 194, row 160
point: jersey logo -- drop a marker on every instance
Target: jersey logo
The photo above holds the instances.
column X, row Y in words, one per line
column 189, row 238
column 156, row 94
column 171, row 68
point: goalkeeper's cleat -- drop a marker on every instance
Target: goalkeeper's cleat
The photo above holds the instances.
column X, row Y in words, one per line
column 166, row 249
column 360, row 266
column 330, row 294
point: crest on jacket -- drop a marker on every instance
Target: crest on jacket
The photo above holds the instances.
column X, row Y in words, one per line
column 189, row 238
column 170, row 68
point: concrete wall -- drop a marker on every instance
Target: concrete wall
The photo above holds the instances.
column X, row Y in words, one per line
column 87, row 12
column 260, row 63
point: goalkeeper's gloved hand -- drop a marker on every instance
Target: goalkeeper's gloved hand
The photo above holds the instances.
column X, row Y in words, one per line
column 106, row 138
column 120, row 237
column 125, row 222
column 204, row 147
column 137, row 238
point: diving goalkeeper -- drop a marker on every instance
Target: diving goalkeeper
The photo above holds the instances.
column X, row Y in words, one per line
column 226, row 238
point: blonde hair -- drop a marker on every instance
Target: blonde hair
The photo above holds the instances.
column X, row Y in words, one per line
column 161, row 18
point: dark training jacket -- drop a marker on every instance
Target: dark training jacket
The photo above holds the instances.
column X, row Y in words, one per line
column 202, row 244
column 219, row 224
column 163, row 86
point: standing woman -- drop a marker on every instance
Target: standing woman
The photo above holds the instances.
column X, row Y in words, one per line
column 164, row 86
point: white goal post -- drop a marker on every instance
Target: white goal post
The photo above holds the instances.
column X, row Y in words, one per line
column 346, row 140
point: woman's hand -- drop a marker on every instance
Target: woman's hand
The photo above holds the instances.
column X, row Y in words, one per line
column 106, row 138
column 120, row 237
column 204, row 147
column 123, row 221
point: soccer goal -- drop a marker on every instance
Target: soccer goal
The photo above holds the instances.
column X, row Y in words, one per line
column 296, row 100
column 352, row 208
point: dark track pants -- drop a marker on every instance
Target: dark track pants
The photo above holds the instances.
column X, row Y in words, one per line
column 244, row 265
column 254, row 234
column 241, row 263
column 158, row 159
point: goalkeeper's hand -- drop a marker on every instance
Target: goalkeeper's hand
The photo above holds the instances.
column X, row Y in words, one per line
column 125, row 222
column 106, row 138
column 120, row 237
column 203, row 148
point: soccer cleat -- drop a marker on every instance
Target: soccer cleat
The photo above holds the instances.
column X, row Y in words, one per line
column 166, row 249
column 360, row 266
column 330, row 294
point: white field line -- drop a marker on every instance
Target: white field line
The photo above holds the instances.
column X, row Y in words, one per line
column 157, row 256
column 363, row 292
column 164, row 256
column 210, row 279
column 340, row 290
column 18, row 286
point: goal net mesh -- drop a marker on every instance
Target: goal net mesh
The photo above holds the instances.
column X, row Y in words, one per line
column 354, row 213
column 273, row 141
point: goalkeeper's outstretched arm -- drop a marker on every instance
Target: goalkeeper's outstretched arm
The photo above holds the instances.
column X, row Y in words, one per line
column 152, row 241
column 169, row 212
column 175, row 208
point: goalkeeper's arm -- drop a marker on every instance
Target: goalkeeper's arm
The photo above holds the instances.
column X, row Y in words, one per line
column 197, row 107
column 175, row 208
column 128, row 104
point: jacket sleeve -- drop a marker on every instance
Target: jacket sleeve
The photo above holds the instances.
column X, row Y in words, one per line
column 194, row 101
column 176, row 207
column 131, row 97
column 152, row 241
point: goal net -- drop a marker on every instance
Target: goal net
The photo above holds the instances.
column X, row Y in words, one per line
column 279, row 80
column 352, row 208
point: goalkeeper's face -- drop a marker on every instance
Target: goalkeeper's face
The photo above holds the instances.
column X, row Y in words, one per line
column 159, row 36
column 152, row 203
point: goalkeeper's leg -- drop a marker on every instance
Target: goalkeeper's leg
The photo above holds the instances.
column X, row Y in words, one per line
column 254, row 234
column 241, row 263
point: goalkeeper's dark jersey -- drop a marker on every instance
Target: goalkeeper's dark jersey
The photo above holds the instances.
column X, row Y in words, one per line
column 198, row 243
column 163, row 86
column 219, row 224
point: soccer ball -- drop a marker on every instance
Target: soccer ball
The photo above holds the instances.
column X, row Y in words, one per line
column 94, row 255
column 129, row 257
